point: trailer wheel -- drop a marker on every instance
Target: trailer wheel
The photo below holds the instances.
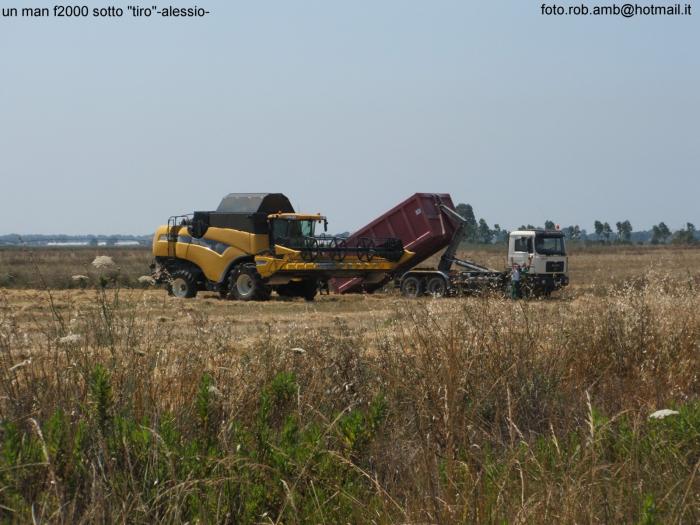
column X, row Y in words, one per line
column 245, row 284
column 411, row 286
column 182, row 284
column 437, row 287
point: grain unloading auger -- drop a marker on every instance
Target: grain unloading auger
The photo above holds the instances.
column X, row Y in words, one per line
column 255, row 243
column 427, row 223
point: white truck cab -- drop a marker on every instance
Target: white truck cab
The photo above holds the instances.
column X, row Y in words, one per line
column 543, row 253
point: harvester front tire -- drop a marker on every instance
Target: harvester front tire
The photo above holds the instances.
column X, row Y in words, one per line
column 182, row 285
column 309, row 289
column 245, row 284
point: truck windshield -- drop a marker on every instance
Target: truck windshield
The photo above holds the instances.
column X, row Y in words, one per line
column 550, row 245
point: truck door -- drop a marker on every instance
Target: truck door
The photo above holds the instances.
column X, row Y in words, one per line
column 519, row 249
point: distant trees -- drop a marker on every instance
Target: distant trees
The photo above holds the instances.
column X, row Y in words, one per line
column 485, row 235
column 686, row 235
column 573, row 233
column 479, row 232
column 660, row 233
column 33, row 239
column 499, row 235
column 603, row 231
column 598, row 228
column 624, row 231
column 607, row 231
column 467, row 212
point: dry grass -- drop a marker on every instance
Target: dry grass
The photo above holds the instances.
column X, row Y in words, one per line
column 357, row 409
column 54, row 267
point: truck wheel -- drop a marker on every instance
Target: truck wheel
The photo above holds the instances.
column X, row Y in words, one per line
column 411, row 286
column 245, row 284
column 437, row 287
column 182, row 284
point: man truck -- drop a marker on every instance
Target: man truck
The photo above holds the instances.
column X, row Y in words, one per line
column 427, row 223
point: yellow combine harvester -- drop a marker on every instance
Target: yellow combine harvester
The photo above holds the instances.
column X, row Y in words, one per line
column 255, row 243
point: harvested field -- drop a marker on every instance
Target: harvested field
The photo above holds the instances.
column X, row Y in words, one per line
column 54, row 267
column 128, row 405
column 592, row 268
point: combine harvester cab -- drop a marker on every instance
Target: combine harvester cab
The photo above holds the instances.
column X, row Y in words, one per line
column 428, row 223
column 255, row 243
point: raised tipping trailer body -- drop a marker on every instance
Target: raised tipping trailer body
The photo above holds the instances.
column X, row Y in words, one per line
column 426, row 223
column 418, row 222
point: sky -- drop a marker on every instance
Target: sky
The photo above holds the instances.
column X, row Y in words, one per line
column 348, row 107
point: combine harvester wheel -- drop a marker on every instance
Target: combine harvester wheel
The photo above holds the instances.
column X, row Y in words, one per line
column 245, row 284
column 182, row 285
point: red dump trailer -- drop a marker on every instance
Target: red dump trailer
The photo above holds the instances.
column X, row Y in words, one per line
column 419, row 222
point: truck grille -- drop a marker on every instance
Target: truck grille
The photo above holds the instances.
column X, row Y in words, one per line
column 555, row 266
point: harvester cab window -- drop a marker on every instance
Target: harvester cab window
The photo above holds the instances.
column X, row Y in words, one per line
column 523, row 244
column 294, row 229
column 307, row 228
column 292, row 232
column 297, row 229
column 279, row 229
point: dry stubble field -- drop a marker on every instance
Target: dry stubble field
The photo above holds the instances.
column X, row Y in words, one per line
column 123, row 404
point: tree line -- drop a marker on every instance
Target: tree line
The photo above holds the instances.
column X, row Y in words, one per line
column 14, row 239
column 479, row 231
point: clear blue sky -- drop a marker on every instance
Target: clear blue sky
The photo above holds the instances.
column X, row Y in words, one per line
column 348, row 107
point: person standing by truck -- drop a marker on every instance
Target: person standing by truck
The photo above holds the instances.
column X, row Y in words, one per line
column 515, row 288
column 517, row 276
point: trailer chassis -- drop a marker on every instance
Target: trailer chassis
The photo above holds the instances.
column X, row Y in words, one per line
column 439, row 283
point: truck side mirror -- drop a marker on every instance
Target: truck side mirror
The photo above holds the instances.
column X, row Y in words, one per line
column 325, row 225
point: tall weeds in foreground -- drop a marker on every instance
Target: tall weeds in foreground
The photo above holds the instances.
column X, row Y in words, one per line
column 458, row 411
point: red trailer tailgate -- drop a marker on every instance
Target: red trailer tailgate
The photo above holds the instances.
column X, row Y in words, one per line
column 418, row 222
